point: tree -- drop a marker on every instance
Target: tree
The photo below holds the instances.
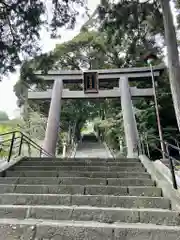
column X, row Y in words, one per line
column 173, row 56
column 131, row 28
column 21, row 22
column 35, row 125
column 3, row 116
column 109, row 123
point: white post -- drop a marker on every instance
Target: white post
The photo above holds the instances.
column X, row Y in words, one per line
column 120, row 146
column 52, row 129
column 64, row 150
column 130, row 127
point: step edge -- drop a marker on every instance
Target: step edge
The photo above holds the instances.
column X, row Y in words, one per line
column 83, row 207
column 78, row 195
column 88, row 224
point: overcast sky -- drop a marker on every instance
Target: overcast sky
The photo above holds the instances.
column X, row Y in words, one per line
column 7, row 97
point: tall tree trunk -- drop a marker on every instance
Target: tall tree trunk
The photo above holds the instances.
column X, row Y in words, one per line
column 173, row 56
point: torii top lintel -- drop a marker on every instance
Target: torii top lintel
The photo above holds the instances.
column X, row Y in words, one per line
column 108, row 74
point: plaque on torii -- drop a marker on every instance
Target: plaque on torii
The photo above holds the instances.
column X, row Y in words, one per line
column 90, row 81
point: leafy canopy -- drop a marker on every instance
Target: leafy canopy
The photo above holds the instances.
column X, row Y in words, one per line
column 21, row 22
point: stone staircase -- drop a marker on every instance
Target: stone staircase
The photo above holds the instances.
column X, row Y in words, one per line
column 84, row 199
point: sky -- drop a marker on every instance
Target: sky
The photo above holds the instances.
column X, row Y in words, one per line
column 8, row 100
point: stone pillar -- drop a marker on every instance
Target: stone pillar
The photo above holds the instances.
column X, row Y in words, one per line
column 52, row 129
column 130, row 127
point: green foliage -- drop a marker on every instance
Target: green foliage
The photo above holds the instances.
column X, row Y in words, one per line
column 77, row 112
column 3, row 116
column 34, row 125
column 21, row 22
column 86, row 50
column 5, row 127
column 131, row 28
column 109, row 124
column 177, row 5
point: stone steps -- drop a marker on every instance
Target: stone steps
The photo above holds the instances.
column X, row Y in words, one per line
column 82, row 189
column 99, row 214
column 105, row 174
column 80, row 168
column 81, row 159
column 26, row 178
column 81, row 199
column 79, row 174
column 14, row 229
column 79, row 163
column 84, row 200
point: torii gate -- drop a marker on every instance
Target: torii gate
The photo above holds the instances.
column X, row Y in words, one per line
column 92, row 81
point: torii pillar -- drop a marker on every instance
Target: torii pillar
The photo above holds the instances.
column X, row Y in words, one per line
column 52, row 129
column 130, row 126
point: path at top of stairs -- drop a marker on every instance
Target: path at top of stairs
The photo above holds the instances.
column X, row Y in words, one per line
column 91, row 149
